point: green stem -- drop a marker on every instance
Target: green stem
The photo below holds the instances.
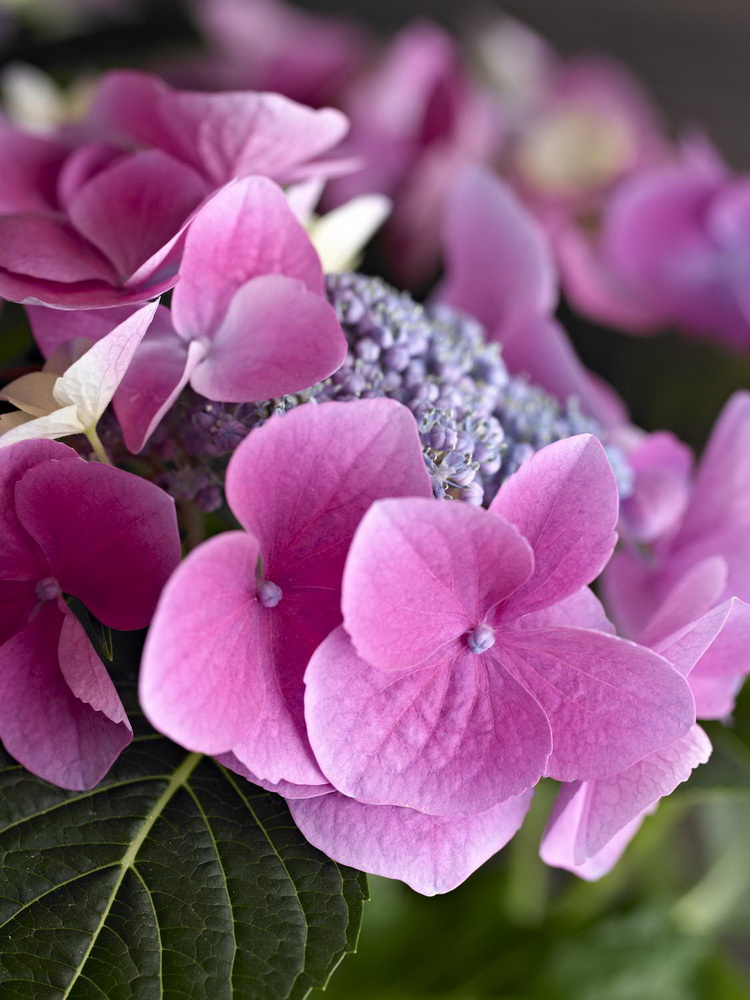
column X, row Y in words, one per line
column 97, row 446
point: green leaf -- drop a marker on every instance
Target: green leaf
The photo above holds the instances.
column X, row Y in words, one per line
column 172, row 878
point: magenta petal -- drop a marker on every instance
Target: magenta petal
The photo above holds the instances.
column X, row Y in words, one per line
column 692, row 596
column 85, row 674
column 499, row 265
column 606, row 806
column 609, row 701
column 455, row 738
column 44, row 248
column 244, row 231
column 18, row 601
column 432, row 854
column 20, row 556
column 420, row 574
column 276, row 339
column 223, row 135
column 56, row 735
column 564, row 501
column 133, row 208
column 31, row 164
column 110, row 538
column 352, row 454
column 201, row 680
column 54, row 327
column 159, row 371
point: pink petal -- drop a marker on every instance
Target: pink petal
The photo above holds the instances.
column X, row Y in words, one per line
column 221, row 135
column 583, row 609
column 458, row 737
column 605, row 807
column 564, row 502
column 352, row 454
column 134, row 207
column 692, row 596
column 54, row 327
column 539, row 347
column 30, row 167
column 84, row 163
column 608, row 701
column 158, row 373
column 717, row 676
column 275, row 339
column 498, row 263
column 431, row 571
column 85, row 674
column 289, row 789
column 432, row 854
column 18, row 601
column 43, row 724
column 246, row 230
column 20, row 556
column 662, row 465
column 632, row 591
column 201, row 680
column 110, row 538
column 45, row 248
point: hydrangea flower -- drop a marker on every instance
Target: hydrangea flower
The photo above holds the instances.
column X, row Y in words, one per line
column 491, row 672
column 224, row 659
column 593, row 821
column 696, row 519
column 248, row 320
column 101, row 535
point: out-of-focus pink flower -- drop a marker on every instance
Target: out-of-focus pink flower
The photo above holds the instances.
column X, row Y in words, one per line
column 273, row 46
column 500, row 269
column 220, row 136
column 417, row 120
column 675, row 241
column 97, row 225
column 99, row 534
column 676, row 523
column 593, row 821
column 249, row 318
column 238, row 622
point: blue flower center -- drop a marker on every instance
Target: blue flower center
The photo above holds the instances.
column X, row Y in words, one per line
column 481, row 639
column 269, row 594
column 47, row 589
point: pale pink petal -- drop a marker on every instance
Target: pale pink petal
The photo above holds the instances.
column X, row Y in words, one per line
column 609, row 702
column 110, row 538
column 134, row 207
column 498, row 263
column 49, row 730
column 201, row 680
column 221, row 135
column 564, row 502
column 289, row 789
column 432, row 854
column 246, row 230
column 86, row 675
column 322, row 468
column 690, row 598
column 275, row 339
column 717, row 676
column 458, row 737
column 591, row 813
column 431, row 571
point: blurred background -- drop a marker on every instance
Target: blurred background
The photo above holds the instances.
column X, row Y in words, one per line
column 672, row 922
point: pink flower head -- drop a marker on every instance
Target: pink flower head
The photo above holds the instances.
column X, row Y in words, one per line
column 593, row 821
column 417, row 120
column 220, row 136
column 273, row 46
column 249, row 319
column 239, row 620
column 101, row 228
column 500, row 269
column 689, row 520
column 470, row 662
column 676, row 241
column 98, row 534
